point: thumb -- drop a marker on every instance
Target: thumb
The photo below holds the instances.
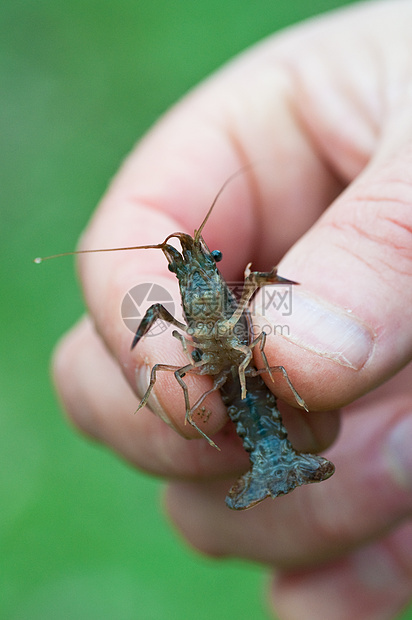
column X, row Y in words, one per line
column 347, row 327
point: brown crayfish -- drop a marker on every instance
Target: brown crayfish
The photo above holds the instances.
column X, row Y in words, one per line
column 218, row 334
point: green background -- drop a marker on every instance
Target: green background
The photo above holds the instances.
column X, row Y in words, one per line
column 83, row 535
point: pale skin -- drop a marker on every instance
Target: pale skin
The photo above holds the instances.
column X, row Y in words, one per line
column 329, row 105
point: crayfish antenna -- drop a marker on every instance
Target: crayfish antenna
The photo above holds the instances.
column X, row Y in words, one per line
column 158, row 246
column 245, row 168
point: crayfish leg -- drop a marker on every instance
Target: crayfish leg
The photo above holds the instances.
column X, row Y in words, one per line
column 184, row 341
column 218, row 382
column 157, row 311
column 261, row 340
column 156, row 367
column 179, row 374
column 253, row 281
column 242, row 368
column 282, row 369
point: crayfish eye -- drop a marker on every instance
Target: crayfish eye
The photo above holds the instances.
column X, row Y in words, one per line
column 172, row 267
column 217, row 255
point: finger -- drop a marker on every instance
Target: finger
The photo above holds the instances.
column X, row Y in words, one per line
column 101, row 404
column 350, row 317
column 378, row 578
column 99, row 401
column 348, row 329
column 369, row 494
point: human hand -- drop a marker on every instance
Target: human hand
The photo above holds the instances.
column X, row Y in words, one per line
column 328, row 104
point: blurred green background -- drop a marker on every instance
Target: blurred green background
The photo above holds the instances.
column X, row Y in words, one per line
column 81, row 534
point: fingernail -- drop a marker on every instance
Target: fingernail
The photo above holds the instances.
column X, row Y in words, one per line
column 316, row 325
column 399, row 454
column 142, row 378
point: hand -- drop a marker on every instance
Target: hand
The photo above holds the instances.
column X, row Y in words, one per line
column 325, row 112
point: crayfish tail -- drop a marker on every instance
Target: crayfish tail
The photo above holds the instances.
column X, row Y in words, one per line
column 272, row 477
